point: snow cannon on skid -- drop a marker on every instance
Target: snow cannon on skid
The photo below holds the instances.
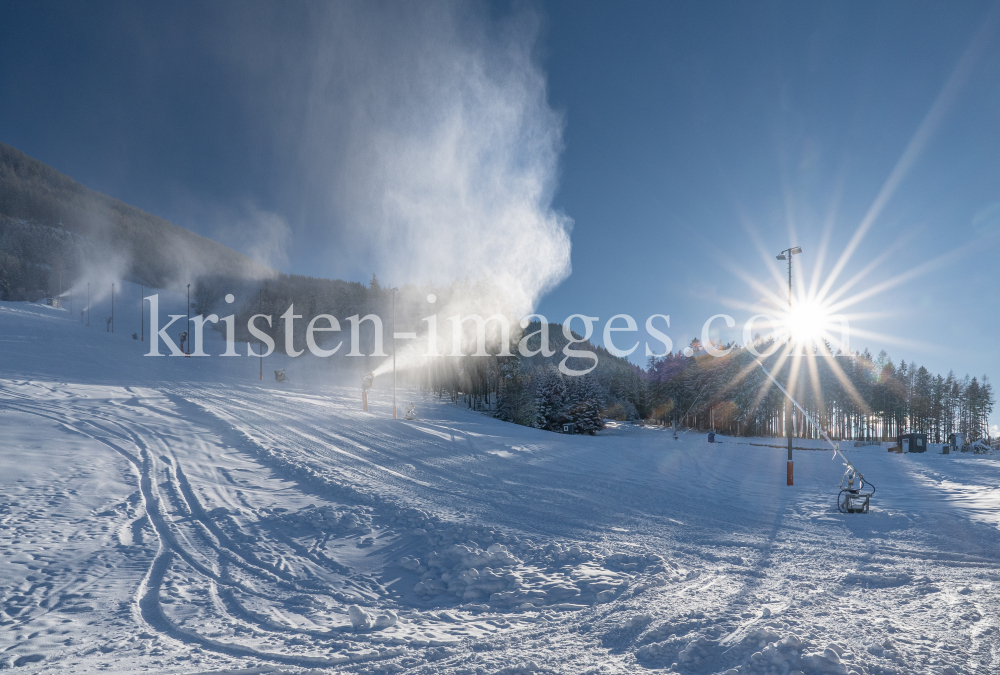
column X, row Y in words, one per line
column 366, row 384
column 854, row 498
column 855, row 492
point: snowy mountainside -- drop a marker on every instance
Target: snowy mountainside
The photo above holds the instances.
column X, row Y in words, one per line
column 181, row 515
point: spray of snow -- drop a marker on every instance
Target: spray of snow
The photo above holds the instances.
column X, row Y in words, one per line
column 111, row 268
column 452, row 158
column 244, row 226
column 463, row 300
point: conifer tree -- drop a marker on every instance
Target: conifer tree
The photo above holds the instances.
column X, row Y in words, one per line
column 550, row 400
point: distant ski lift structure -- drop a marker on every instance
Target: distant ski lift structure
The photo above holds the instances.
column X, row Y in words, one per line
column 912, row 442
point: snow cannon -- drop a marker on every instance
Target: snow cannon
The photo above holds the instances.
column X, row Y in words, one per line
column 366, row 384
column 854, row 498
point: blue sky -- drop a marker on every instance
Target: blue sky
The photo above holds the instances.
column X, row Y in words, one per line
column 697, row 141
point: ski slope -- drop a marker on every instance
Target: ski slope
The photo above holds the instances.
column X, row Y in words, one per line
column 177, row 515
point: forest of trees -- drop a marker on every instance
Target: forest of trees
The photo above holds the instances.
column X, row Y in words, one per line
column 533, row 392
column 857, row 397
column 853, row 396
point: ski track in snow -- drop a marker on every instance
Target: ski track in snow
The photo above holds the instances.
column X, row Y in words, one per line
column 237, row 526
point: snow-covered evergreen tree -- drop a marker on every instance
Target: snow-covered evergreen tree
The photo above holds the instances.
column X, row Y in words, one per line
column 515, row 398
column 550, row 400
column 583, row 405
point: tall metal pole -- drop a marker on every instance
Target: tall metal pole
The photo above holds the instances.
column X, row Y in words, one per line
column 394, row 352
column 260, row 347
column 112, row 307
column 788, row 405
column 187, row 330
column 787, row 255
column 88, row 304
column 142, row 312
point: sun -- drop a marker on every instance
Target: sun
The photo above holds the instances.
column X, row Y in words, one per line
column 809, row 323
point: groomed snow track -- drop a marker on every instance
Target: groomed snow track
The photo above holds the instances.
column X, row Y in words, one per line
column 251, row 519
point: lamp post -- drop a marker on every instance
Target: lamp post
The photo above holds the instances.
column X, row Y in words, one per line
column 787, row 255
column 393, row 291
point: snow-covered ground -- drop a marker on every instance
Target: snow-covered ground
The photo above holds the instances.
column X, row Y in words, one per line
column 179, row 515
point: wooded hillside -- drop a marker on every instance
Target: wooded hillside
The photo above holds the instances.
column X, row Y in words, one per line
column 52, row 226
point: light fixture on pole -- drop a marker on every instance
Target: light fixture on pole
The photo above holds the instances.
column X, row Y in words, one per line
column 787, row 255
column 393, row 291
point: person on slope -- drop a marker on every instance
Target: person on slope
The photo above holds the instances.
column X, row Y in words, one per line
column 711, row 436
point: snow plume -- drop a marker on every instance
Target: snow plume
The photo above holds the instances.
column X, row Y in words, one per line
column 243, row 226
column 451, row 159
column 109, row 268
column 419, row 309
